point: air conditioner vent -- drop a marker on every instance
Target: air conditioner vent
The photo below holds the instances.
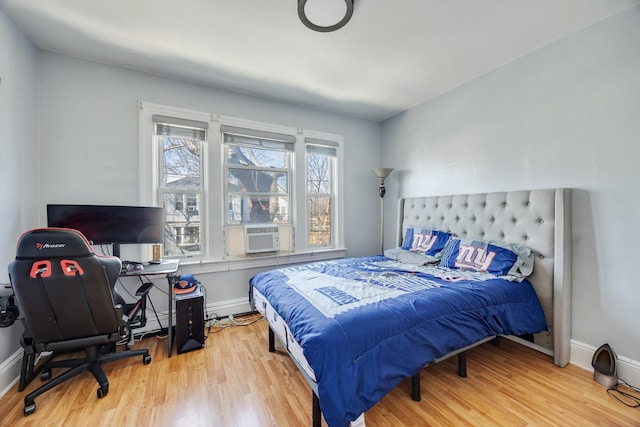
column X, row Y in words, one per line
column 253, row 229
column 261, row 238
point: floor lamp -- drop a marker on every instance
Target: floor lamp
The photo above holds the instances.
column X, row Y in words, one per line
column 382, row 174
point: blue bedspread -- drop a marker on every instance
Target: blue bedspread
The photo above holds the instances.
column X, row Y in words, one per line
column 365, row 324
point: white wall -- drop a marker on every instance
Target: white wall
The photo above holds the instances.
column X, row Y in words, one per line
column 89, row 138
column 19, row 159
column 567, row 115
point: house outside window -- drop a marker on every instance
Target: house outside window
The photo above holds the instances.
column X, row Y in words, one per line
column 181, row 145
column 258, row 171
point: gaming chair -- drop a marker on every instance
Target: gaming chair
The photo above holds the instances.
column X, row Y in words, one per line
column 65, row 292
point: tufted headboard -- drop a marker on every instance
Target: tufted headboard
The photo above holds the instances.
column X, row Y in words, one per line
column 539, row 219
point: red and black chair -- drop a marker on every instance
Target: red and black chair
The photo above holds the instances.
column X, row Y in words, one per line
column 66, row 294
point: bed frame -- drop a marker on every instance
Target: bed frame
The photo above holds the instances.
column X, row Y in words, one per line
column 539, row 219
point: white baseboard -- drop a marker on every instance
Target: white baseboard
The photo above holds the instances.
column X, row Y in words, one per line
column 627, row 369
column 225, row 308
column 10, row 368
column 10, row 371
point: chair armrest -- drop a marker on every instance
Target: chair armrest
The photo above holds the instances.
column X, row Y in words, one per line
column 144, row 289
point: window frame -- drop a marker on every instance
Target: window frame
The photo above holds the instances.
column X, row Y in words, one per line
column 186, row 196
column 215, row 183
column 329, row 147
column 256, row 139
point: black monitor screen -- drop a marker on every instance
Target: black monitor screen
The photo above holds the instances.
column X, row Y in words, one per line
column 110, row 224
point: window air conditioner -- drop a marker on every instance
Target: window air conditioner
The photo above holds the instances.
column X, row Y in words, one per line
column 261, row 238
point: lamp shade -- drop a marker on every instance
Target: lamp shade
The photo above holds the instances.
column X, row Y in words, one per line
column 325, row 15
column 382, row 173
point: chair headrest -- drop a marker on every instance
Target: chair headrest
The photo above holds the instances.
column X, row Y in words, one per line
column 52, row 243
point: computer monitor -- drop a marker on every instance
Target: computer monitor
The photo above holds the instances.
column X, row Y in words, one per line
column 115, row 225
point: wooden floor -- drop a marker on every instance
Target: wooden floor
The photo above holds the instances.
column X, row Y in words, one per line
column 235, row 381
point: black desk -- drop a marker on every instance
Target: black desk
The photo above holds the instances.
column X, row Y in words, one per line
column 168, row 269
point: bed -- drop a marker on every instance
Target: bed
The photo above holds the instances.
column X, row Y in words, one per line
column 357, row 327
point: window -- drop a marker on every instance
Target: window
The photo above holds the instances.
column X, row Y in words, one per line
column 180, row 144
column 218, row 177
column 258, row 173
column 320, row 167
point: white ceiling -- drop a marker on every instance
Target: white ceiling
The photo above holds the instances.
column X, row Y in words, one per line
column 391, row 56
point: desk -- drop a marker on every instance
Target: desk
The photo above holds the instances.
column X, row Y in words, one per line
column 168, row 269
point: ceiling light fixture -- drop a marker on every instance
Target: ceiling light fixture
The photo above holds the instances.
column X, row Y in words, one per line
column 325, row 15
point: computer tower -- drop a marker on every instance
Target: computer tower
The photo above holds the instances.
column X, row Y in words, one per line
column 189, row 321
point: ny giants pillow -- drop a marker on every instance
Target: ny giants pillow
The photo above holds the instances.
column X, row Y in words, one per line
column 425, row 240
column 420, row 246
column 507, row 260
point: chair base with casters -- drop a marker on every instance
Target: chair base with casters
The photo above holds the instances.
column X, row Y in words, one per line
column 97, row 352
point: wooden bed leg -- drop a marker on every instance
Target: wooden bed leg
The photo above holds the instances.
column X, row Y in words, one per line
column 462, row 364
column 496, row 341
column 317, row 414
column 272, row 341
column 415, row 387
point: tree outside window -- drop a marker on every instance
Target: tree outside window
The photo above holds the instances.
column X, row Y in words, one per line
column 320, row 194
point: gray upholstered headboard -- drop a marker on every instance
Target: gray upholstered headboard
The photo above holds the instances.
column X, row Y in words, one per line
column 539, row 219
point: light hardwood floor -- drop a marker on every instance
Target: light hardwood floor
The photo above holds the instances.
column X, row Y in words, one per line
column 235, row 381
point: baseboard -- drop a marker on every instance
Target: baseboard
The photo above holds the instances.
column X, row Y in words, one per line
column 225, row 308
column 627, row 369
column 10, row 371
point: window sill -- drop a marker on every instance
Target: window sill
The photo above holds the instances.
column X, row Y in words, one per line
column 260, row 261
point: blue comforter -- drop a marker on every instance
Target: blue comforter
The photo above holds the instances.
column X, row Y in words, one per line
column 365, row 324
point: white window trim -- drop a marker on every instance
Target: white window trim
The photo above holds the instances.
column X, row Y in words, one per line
column 214, row 186
column 149, row 168
column 338, row 211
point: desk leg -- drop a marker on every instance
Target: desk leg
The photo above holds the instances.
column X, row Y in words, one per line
column 171, row 278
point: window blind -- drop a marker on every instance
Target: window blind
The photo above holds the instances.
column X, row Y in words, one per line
column 257, row 138
column 321, row 147
column 180, row 128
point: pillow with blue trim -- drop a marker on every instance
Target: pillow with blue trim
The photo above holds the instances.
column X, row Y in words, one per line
column 507, row 260
column 425, row 240
column 420, row 246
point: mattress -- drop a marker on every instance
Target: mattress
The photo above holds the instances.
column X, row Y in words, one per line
column 359, row 326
